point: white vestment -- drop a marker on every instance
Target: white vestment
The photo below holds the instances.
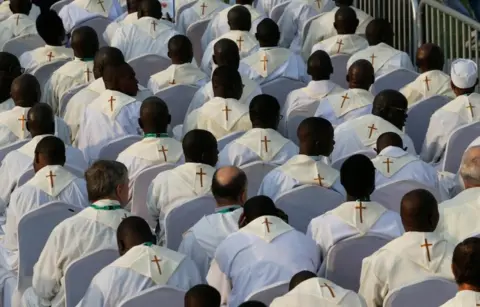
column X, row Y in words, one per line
column 72, row 74
column 187, row 74
column 410, row 258
column 258, row 145
column 5, row 11
column 124, row 19
column 249, row 258
column 384, row 59
column 361, row 134
column 112, row 115
column 345, row 106
column 80, row 10
column 458, row 112
column 246, row 42
column 16, row 25
column 321, row 28
column 459, row 216
column 428, row 84
column 6, row 105
column 316, row 292
column 393, row 164
column 139, row 270
column 32, row 60
column 201, row 10
column 464, row 298
column 219, row 116
column 341, row 44
column 146, row 35
column 270, row 63
column 347, row 220
column 19, row 161
column 202, row 240
column 172, row 188
column 298, row 171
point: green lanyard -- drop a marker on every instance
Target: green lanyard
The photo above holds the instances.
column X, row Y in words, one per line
column 156, row 135
column 106, row 208
column 230, row 209
column 86, row 59
column 148, row 243
column 365, row 199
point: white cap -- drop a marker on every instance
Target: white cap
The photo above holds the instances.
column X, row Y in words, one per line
column 464, row 73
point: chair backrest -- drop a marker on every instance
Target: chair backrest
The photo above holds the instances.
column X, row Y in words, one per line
column 228, row 138
column 168, row 296
column 140, row 190
column 390, row 194
column 304, row 203
column 80, row 273
column 147, row 65
column 34, row 229
column 267, row 294
column 112, row 149
column 344, row 259
column 178, row 99
column 4, row 150
column 419, row 118
column 194, row 33
column 293, row 120
column 394, row 80
column 432, row 292
column 66, row 98
column 99, row 24
column 339, row 75
column 337, row 164
column 458, row 142
column 255, row 172
column 44, row 72
column 183, row 217
column 280, row 88
column 57, row 6
column 306, row 27
column 277, row 11
column 18, row 45
column 29, row 173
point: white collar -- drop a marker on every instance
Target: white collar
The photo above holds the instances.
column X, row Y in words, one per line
column 322, row 86
column 392, row 151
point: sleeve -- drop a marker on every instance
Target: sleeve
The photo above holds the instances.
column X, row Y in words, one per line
column 192, row 249
column 11, row 226
column 119, row 40
column 217, row 279
column 153, row 195
column 8, row 181
column 371, row 288
column 110, row 31
column 315, row 232
column 190, row 122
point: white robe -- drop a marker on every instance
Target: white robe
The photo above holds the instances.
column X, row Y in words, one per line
column 258, row 145
column 403, row 261
column 187, row 74
column 270, row 63
column 345, row 222
column 219, row 116
column 361, row 134
column 202, row 240
column 32, row 60
column 438, row 84
column 5, row 11
column 103, row 122
column 341, row 44
column 16, row 25
column 146, row 35
column 7, row 105
column 464, row 298
column 249, row 259
column 172, row 188
column 135, row 270
column 124, row 19
column 458, row 112
column 201, row 10
column 459, row 216
column 298, row 171
column 385, row 59
column 79, row 10
column 345, row 106
column 19, row 161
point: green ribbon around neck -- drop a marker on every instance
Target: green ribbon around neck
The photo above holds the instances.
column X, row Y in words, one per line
column 106, row 208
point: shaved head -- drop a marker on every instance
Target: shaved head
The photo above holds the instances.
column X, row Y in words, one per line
column 346, row 21
column 361, row 75
column 131, row 232
column 229, row 186
column 268, row 33
column 202, row 296
column 239, row 18
column 389, row 139
column 154, row 116
column 379, row 31
column 84, row 42
column 200, row 146
column 430, row 57
column 419, row 211
column 299, row 278
column 49, row 151
column 106, row 56
column 149, row 8
column 315, row 135
column 319, row 66
column 40, row 120
column 25, row 91
column 20, row 6
column 180, row 49
column 226, row 52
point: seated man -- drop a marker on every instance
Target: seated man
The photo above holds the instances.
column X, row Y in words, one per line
column 182, row 70
column 6, row 10
column 418, row 254
column 127, row 17
column 136, row 268
column 10, row 69
column 201, row 10
column 19, row 23
column 79, row 10
column 263, row 142
column 359, row 215
column 185, row 182
column 310, row 166
column 202, row 296
column 229, row 187
column 248, row 260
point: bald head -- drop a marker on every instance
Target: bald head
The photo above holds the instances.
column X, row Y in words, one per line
column 106, row 56
column 379, row 31
column 226, row 52
column 239, row 18
column 419, row 211
column 180, row 50
column 389, row 139
column 361, row 75
column 40, row 120
column 202, row 296
column 154, row 116
column 346, row 21
column 299, row 278
column 131, row 232
column 319, row 66
column 315, row 135
column 227, row 83
column 430, row 57
column 25, row 91
column 149, row 8
column 21, row 6
column 470, row 167
column 200, row 146
column 84, row 42
column 229, row 186
column 268, row 33
column 392, row 106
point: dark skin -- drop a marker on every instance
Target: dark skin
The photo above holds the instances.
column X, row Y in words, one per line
column 315, row 142
column 361, row 75
column 154, row 116
column 346, row 21
column 430, row 57
column 419, row 212
column 121, row 79
column 319, row 66
column 463, row 91
column 180, row 50
column 25, row 91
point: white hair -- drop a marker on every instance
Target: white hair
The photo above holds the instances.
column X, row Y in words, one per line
column 470, row 168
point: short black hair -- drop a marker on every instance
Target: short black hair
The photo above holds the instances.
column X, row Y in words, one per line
column 252, row 304
column 202, row 296
column 137, row 227
column 53, row 150
column 258, row 206
column 50, row 27
column 357, row 176
column 299, row 278
column 231, row 191
column 465, row 262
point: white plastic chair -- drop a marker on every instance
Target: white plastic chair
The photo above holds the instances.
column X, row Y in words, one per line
column 228, row 138
column 457, row 143
column 57, row 6
column 337, row 164
column 343, row 264
column 44, row 72
column 194, row 33
column 306, row 27
column 112, row 149
column 394, row 80
column 390, row 194
column 293, row 120
column 147, row 65
column 280, row 88
column 305, row 203
column 181, row 218
column 277, row 11
column 80, row 273
column 168, row 296
column 66, row 98
column 339, row 63
column 18, row 45
column 255, row 172
column 4, row 150
column 432, row 292
column 419, row 118
column 29, row 173
column 99, row 24
column 178, row 99
column 140, row 190
column 267, row 294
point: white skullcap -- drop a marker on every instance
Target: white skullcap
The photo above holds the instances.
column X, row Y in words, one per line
column 464, row 73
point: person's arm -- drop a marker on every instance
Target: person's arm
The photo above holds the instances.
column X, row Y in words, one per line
column 371, row 287
column 8, row 181
column 217, row 279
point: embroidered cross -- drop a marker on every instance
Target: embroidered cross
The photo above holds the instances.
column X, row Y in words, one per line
column 88, row 72
column 101, row 4
column 340, row 44
column 344, row 99
column 203, row 6
column 157, row 261
column 51, row 175
column 201, row 173
column 373, row 58
column 226, row 110
column 319, row 179
column 388, row 162
column 267, row 223
column 372, row 128
column 427, row 82
column 265, row 61
column 50, row 56
column 471, row 108
column 154, row 25
column 18, row 17
column 111, row 100
column 23, row 120
column 361, row 208
column 329, row 289
column 239, row 41
column 164, row 150
column 171, row 82
column 318, row 3
column 427, row 245
column 265, row 141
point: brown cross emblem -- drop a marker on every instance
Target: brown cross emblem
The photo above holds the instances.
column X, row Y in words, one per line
column 319, row 179
column 427, row 245
column 111, row 100
column 345, row 97
column 203, row 6
column 201, row 173
column 471, row 108
column 23, row 120
column 265, row 141
column 360, row 207
column 267, row 223
column 88, row 72
column 154, row 25
column 239, row 42
column 427, row 81
column 372, row 128
column 50, row 56
column 164, row 150
column 265, row 61
column 388, row 162
column 101, row 4
column 329, row 289
column 157, row 261
column 51, row 175
column 340, row 44
column 372, row 57
column 18, row 17
column 226, row 110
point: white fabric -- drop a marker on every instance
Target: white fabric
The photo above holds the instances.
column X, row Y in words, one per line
column 464, row 298
column 122, row 20
column 7, row 105
column 16, row 25
column 201, row 10
column 5, row 11
column 79, row 10
column 458, row 218
column 187, row 74
column 146, row 35
column 341, row 44
column 249, row 259
column 438, row 84
column 404, row 261
column 32, row 60
column 464, row 73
